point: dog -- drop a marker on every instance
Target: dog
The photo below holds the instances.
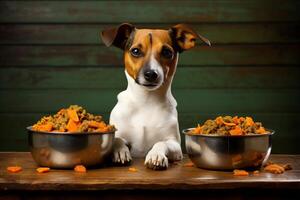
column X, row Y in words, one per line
column 145, row 115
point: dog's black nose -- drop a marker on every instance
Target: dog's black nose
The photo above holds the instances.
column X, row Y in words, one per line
column 150, row 75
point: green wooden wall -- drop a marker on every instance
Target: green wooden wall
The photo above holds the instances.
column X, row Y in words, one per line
column 51, row 56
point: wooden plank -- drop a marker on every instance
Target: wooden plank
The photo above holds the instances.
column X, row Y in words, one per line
column 226, row 33
column 148, row 11
column 189, row 100
column 214, row 77
column 116, row 178
column 14, row 137
column 92, row 55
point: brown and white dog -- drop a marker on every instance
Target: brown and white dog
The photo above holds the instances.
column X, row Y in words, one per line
column 146, row 115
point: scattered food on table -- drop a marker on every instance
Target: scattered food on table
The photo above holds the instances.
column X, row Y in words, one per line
column 238, row 172
column 80, row 168
column 277, row 168
column 132, row 169
column 43, row 169
column 189, row 164
column 14, row 169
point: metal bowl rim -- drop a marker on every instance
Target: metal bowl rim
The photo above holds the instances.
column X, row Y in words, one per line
column 69, row 133
column 185, row 131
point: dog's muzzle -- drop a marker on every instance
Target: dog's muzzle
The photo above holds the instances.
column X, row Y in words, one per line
column 149, row 78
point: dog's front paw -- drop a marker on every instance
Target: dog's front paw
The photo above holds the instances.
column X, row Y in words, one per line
column 122, row 155
column 156, row 160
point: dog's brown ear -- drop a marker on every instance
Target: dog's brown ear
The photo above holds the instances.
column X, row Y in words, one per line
column 185, row 37
column 117, row 36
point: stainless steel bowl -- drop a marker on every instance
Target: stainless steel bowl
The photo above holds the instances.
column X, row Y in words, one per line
column 228, row 152
column 66, row 150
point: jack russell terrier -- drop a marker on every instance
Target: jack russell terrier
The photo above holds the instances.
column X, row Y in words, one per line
column 146, row 115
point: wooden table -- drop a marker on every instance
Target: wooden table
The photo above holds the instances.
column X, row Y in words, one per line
column 176, row 182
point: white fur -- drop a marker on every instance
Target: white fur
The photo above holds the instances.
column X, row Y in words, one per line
column 147, row 123
column 154, row 65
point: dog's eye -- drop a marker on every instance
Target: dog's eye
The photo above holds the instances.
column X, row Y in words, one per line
column 167, row 53
column 136, row 52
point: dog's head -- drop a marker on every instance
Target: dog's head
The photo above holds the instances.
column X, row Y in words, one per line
column 151, row 55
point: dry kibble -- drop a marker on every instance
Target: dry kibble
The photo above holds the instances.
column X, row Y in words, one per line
column 227, row 125
column 72, row 119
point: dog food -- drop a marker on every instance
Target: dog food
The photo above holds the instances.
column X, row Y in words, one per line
column 43, row 169
column 238, row 172
column 256, row 172
column 14, row 169
column 80, row 168
column 132, row 169
column 269, row 167
column 277, row 168
column 188, row 164
column 72, row 119
column 230, row 126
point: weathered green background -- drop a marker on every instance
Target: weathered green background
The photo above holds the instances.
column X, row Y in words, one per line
column 51, row 56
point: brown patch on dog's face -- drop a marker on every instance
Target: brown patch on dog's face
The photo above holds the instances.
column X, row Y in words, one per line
column 146, row 45
column 151, row 55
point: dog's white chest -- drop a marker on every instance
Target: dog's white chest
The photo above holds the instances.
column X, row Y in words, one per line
column 142, row 124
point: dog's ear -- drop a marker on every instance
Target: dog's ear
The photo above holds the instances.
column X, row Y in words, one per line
column 185, row 37
column 117, row 36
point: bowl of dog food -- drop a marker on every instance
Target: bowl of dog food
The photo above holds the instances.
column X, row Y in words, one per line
column 71, row 137
column 227, row 143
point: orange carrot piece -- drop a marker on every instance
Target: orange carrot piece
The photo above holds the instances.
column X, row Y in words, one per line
column 274, row 168
column 80, row 168
column 249, row 121
column 14, row 169
column 102, row 130
column 241, row 119
column 198, row 129
column 43, row 127
column 132, row 169
column 73, row 115
column 236, row 131
column 72, row 126
column 43, row 169
column 261, row 130
column 219, row 120
column 256, row 172
column 238, row 172
column 236, row 120
column 229, row 124
column 189, row 164
column 96, row 124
